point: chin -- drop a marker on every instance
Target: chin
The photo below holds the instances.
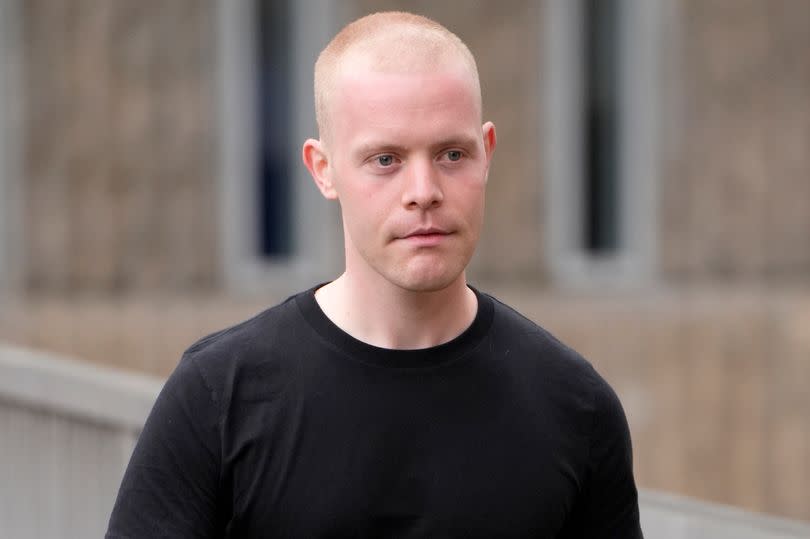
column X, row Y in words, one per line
column 425, row 286
column 431, row 282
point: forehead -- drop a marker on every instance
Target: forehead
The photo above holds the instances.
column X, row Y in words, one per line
column 411, row 107
column 409, row 78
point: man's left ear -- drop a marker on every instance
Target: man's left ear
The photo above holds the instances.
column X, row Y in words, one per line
column 490, row 141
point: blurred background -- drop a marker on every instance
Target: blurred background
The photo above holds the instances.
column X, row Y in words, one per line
column 649, row 201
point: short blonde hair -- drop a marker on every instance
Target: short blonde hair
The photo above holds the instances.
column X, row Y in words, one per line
column 389, row 41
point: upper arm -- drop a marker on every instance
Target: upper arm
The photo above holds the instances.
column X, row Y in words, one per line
column 171, row 485
column 608, row 503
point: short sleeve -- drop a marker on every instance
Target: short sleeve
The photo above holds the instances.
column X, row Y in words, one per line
column 608, row 505
column 171, row 485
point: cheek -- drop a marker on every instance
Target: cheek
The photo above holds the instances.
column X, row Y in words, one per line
column 366, row 201
column 363, row 216
column 472, row 198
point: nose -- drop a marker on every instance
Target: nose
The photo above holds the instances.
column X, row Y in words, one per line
column 421, row 185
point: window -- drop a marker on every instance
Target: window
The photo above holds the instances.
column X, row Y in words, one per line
column 277, row 231
column 600, row 129
column 274, row 147
column 601, row 95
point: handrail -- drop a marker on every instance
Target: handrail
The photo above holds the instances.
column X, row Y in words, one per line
column 68, row 386
column 661, row 510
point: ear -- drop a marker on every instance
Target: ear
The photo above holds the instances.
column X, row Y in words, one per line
column 490, row 141
column 317, row 162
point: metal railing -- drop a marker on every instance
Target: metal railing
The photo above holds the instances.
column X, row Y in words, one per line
column 67, row 429
column 665, row 516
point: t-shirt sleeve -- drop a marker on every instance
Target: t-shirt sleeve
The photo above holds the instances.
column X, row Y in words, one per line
column 170, row 487
column 608, row 505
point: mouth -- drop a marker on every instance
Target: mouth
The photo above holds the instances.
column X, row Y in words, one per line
column 426, row 237
column 432, row 231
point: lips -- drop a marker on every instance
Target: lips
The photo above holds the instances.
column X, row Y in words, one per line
column 431, row 231
column 426, row 237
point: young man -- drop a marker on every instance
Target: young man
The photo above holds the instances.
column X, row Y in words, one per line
column 395, row 401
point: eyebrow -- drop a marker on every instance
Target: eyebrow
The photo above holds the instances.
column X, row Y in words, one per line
column 462, row 141
column 371, row 148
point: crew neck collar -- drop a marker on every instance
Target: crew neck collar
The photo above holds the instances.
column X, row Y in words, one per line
column 387, row 357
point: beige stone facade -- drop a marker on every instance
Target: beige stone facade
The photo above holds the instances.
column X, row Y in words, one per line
column 736, row 197
column 122, row 215
column 119, row 146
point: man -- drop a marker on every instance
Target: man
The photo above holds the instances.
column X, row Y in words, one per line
column 394, row 401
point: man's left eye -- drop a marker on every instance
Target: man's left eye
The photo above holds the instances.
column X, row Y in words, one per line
column 453, row 155
column 385, row 160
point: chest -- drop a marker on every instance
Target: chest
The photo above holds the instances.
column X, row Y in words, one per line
column 337, row 462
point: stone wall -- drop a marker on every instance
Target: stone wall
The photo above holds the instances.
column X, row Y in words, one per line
column 736, row 200
column 118, row 164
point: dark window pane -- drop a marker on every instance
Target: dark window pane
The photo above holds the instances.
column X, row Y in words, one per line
column 274, row 182
column 601, row 129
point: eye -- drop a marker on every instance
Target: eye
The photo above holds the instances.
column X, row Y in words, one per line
column 454, row 155
column 385, row 160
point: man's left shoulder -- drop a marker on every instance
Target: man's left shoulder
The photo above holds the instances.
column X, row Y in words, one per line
column 509, row 323
column 537, row 347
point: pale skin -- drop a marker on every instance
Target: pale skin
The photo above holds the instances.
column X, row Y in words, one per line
column 407, row 158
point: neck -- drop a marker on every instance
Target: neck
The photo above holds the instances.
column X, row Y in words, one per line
column 391, row 317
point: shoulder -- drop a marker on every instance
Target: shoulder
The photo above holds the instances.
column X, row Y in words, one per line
column 512, row 329
column 254, row 331
column 254, row 353
column 546, row 361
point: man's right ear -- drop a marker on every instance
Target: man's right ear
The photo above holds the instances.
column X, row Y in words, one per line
column 317, row 162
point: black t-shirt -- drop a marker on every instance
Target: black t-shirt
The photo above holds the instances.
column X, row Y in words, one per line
column 286, row 426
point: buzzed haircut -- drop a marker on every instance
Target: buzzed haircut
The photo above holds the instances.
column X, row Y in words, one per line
column 392, row 41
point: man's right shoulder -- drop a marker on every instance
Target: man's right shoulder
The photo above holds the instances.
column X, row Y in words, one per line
column 242, row 334
column 254, row 345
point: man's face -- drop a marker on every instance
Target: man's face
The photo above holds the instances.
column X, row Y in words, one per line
column 408, row 163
